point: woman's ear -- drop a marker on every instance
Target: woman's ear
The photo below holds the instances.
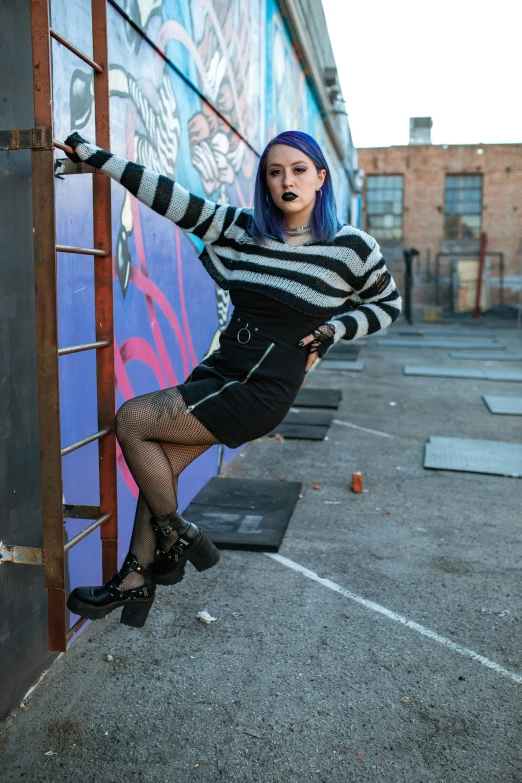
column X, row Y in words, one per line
column 321, row 176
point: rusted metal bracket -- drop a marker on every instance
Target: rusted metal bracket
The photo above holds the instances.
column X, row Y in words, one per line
column 23, row 555
column 63, row 166
column 73, row 511
column 32, row 139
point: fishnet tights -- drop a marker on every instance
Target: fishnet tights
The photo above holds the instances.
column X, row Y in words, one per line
column 158, row 439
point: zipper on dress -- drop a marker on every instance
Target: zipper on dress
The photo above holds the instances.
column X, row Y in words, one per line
column 214, row 394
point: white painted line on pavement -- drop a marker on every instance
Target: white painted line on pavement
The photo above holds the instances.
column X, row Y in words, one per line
column 363, row 429
column 398, row 618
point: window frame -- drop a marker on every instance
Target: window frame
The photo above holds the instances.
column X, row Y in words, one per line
column 457, row 234
column 379, row 232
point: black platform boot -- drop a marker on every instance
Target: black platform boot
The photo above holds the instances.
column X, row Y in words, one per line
column 192, row 544
column 96, row 602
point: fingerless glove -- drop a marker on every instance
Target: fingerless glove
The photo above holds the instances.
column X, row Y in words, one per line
column 324, row 337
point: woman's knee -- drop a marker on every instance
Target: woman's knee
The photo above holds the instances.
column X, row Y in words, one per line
column 126, row 420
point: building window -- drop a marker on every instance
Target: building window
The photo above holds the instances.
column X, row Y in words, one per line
column 384, row 199
column 463, row 206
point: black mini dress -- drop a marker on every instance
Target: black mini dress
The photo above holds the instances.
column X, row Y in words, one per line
column 246, row 387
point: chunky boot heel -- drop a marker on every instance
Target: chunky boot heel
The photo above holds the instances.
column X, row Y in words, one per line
column 192, row 545
column 96, row 602
column 205, row 554
column 136, row 614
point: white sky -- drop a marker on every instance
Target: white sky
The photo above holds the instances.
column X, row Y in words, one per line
column 456, row 61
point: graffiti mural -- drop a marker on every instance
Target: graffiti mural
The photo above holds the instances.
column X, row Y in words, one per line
column 227, row 82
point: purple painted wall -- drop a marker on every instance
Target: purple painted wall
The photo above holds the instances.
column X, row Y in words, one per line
column 168, row 311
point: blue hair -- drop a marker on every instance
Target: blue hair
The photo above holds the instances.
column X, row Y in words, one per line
column 269, row 219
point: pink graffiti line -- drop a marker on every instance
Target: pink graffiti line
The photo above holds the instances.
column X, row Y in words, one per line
column 142, row 260
column 181, row 290
column 152, row 291
column 123, row 383
column 156, row 331
column 138, row 349
column 120, row 374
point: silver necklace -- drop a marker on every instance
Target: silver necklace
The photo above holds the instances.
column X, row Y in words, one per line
column 298, row 230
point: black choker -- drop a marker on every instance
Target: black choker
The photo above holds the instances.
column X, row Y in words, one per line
column 298, row 230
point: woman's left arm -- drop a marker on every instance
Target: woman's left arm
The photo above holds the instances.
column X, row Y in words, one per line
column 380, row 306
column 193, row 214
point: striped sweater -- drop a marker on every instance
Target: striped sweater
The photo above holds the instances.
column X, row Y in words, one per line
column 344, row 280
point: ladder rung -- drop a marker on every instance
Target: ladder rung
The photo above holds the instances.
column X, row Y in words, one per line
column 74, row 511
column 85, row 532
column 84, row 347
column 85, row 441
column 84, row 251
column 75, row 628
column 75, row 51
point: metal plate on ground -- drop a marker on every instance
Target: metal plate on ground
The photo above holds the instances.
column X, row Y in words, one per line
column 462, row 372
column 318, row 418
column 442, row 333
column 318, row 398
column 343, row 352
column 341, row 364
column 504, row 375
column 505, row 405
column 490, row 357
column 443, row 372
column 429, row 343
column 301, row 431
column 474, row 456
column 304, row 425
column 245, row 513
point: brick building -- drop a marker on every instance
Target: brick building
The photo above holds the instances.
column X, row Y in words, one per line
column 438, row 199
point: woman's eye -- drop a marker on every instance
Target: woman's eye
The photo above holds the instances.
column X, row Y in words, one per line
column 300, row 171
column 274, row 171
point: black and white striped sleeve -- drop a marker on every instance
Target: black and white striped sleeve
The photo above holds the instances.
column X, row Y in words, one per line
column 192, row 213
column 378, row 302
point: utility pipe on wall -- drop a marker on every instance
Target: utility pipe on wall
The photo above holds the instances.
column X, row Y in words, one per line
column 482, row 257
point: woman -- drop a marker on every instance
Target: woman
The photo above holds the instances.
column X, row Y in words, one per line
column 299, row 282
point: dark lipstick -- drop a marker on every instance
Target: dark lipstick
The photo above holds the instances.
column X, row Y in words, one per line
column 289, row 196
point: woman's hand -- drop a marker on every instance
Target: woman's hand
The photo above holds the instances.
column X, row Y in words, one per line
column 312, row 355
column 72, row 141
column 320, row 341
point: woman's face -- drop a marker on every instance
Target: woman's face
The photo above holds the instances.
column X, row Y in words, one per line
column 290, row 171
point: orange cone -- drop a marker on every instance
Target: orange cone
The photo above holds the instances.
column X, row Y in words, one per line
column 357, row 482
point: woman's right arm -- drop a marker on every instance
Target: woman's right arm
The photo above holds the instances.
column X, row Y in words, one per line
column 193, row 214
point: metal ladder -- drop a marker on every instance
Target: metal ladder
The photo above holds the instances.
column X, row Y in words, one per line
column 40, row 140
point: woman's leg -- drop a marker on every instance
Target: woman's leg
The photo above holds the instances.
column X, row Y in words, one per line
column 158, row 439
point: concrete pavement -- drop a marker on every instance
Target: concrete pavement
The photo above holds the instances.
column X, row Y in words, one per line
column 338, row 686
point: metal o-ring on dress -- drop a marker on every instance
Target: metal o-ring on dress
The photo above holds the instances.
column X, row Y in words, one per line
column 244, row 329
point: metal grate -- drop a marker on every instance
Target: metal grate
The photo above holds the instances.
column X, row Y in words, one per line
column 461, row 372
column 508, row 406
column 474, row 456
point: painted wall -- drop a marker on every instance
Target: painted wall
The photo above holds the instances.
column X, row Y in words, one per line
column 168, row 311
column 23, row 600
